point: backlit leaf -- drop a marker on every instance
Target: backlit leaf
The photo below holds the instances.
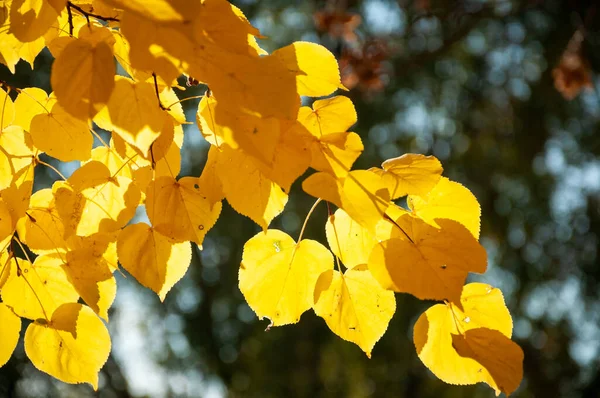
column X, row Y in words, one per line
column 61, row 135
column 331, row 115
column 427, row 262
column 42, row 228
column 9, row 332
column 156, row 261
column 317, row 72
column 448, row 199
column 83, row 74
column 179, row 210
column 348, row 240
column 278, row 276
column 7, row 110
column 471, row 345
column 354, row 305
column 35, row 291
column 91, row 273
column 72, row 347
column 92, row 200
column 133, row 113
column 247, row 189
column 30, row 19
column 410, row 174
column 361, row 194
column 16, row 153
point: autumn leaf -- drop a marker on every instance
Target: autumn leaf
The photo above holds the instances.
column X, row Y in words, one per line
column 92, row 200
column 354, row 306
column 83, row 74
column 179, row 210
column 247, row 189
column 9, row 332
column 90, row 270
column 156, row 261
column 471, row 345
column 35, row 290
column 133, row 113
column 361, row 194
column 278, row 276
column 30, row 19
column 42, row 229
column 316, row 68
column 348, row 240
column 410, row 174
column 425, row 261
column 72, row 346
column 451, row 200
column 7, row 113
column 61, row 135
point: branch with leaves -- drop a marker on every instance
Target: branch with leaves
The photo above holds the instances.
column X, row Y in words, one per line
column 80, row 230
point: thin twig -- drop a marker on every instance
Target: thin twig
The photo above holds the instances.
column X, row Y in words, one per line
column 86, row 14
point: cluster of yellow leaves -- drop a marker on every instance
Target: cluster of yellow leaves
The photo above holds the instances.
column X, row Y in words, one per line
column 60, row 246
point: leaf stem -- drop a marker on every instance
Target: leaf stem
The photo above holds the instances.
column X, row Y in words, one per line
column 186, row 99
column 160, row 105
column 312, row 209
column 38, row 161
column 15, row 239
column 399, row 227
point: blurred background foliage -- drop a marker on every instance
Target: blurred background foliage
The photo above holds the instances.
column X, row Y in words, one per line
column 505, row 93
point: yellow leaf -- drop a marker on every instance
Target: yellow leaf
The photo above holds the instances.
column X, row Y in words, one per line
column 121, row 50
column 133, row 113
column 316, row 69
column 5, row 267
column 72, row 347
column 61, row 135
column 7, row 110
column 361, row 194
column 16, row 153
column 212, row 46
column 30, row 19
column 292, row 156
column 29, row 51
column 83, row 74
column 256, row 135
column 35, row 291
column 209, row 179
column 98, row 245
column 278, row 277
column 469, row 358
column 497, row 354
column 159, row 10
column 90, row 272
column 448, row 199
column 335, row 153
column 42, row 229
column 427, row 262
column 92, row 200
column 31, row 101
column 354, row 305
column 117, row 166
column 9, row 50
column 9, row 333
column 156, row 261
column 6, row 223
column 327, row 116
column 410, row 174
column 17, row 195
column 247, row 189
column 350, row 242
column 179, row 210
